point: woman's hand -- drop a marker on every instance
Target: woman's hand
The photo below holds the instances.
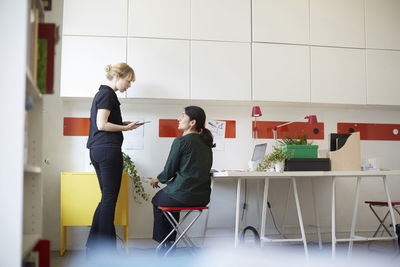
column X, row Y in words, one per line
column 154, row 182
column 131, row 125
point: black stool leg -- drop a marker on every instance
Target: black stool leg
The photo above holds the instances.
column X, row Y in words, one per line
column 182, row 234
column 381, row 222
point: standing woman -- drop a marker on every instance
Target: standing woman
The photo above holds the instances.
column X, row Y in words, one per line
column 186, row 172
column 105, row 141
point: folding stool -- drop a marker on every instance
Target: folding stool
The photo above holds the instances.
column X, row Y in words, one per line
column 382, row 221
column 181, row 233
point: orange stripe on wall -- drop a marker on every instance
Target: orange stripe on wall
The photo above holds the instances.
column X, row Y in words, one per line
column 371, row 131
column 76, row 126
column 230, row 129
column 169, row 128
column 294, row 130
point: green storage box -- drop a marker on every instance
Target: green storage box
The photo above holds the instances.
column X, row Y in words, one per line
column 301, row 151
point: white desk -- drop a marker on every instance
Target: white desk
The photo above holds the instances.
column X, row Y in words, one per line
column 323, row 174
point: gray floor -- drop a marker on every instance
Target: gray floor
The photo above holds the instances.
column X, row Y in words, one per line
column 220, row 252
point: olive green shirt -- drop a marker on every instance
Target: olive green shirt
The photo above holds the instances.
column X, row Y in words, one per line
column 188, row 170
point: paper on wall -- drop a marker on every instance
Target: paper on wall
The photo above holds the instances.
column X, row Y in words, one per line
column 217, row 129
column 133, row 140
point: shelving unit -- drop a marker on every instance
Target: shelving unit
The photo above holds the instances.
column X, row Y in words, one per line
column 33, row 184
column 29, row 242
column 31, row 87
column 32, row 169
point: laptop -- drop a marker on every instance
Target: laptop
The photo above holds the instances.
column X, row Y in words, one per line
column 259, row 152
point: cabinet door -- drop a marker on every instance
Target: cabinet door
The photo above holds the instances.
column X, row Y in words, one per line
column 83, row 60
column 220, row 70
column 383, row 77
column 159, row 18
column 281, row 21
column 95, row 17
column 281, row 73
column 382, row 23
column 337, row 23
column 161, row 67
column 222, row 20
column 338, row 75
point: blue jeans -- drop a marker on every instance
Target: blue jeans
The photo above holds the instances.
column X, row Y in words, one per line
column 108, row 164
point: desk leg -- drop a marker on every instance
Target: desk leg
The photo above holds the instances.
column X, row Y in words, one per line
column 258, row 205
column 63, row 239
column 239, row 182
column 126, row 228
column 390, row 206
column 286, row 208
column 264, row 209
column 208, row 213
column 316, row 214
column 303, row 235
column 354, row 220
column 333, row 218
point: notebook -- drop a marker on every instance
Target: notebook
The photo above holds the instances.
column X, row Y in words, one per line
column 259, row 152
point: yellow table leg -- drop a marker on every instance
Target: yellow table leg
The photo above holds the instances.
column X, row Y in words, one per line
column 63, row 239
column 126, row 238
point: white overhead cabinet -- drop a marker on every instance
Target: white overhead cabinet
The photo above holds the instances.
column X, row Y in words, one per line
column 95, row 17
column 338, row 75
column 337, row 23
column 83, row 60
column 383, row 77
column 281, row 21
column 382, row 22
column 220, row 70
column 281, row 73
column 159, row 18
column 161, row 68
column 221, row 20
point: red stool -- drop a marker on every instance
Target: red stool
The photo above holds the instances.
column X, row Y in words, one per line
column 181, row 233
column 382, row 221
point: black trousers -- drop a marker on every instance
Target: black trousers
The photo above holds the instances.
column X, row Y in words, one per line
column 162, row 227
column 108, row 164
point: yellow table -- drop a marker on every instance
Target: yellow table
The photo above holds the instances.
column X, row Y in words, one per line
column 80, row 195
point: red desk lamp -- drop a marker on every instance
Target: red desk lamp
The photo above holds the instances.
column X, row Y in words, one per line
column 312, row 119
column 255, row 112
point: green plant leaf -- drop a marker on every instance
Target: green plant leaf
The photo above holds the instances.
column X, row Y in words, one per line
column 138, row 189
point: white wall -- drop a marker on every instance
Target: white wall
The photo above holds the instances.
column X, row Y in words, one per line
column 70, row 154
column 13, row 76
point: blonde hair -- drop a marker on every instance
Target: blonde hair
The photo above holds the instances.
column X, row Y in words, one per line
column 122, row 69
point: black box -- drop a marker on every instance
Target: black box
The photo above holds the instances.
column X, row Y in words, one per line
column 307, row 164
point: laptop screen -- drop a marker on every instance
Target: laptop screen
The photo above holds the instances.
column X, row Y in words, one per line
column 259, row 152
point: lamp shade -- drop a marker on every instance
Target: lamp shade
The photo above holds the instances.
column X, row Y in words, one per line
column 312, row 119
column 256, row 111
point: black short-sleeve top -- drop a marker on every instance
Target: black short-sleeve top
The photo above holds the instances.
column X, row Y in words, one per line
column 105, row 98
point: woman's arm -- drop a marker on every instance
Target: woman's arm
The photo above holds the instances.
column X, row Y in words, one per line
column 104, row 125
column 172, row 165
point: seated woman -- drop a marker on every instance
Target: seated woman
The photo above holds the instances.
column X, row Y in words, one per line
column 186, row 173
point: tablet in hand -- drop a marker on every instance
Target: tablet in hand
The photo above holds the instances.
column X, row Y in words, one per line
column 142, row 122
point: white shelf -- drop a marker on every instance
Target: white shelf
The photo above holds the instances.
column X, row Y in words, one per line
column 31, row 86
column 29, row 242
column 32, row 169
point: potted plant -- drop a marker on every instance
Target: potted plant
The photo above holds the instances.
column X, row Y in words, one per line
column 138, row 189
column 299, row 147
column 275, row 160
